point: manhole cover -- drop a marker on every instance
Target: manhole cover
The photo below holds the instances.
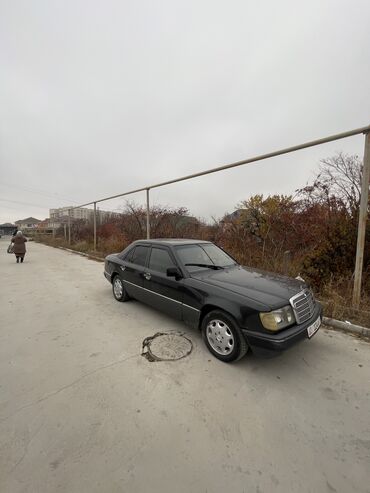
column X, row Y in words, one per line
column 166, row 347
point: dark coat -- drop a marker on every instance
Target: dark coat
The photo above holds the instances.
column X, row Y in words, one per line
column 19, row 245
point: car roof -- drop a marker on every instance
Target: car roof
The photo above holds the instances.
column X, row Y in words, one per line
column 172, row 241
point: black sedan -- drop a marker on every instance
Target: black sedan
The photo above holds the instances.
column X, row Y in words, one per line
column 235, row 307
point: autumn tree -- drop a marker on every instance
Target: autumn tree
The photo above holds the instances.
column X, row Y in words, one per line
column 338, row 179
column 164, row 222
column 335, row 193
column 270, row 220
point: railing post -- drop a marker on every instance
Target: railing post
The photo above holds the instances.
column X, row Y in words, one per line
column 69, row 226
column 94, row 226
column 286, row 262
column 362, row 223
column 147, row 215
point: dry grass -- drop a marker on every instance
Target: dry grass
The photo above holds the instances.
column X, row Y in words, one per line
column 336, row 297
column 105, row 246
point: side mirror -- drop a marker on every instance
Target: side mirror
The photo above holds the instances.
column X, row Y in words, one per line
column 174, row 272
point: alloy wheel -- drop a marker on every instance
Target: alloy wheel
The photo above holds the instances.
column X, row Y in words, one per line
column 220, row 337
column 117, row 287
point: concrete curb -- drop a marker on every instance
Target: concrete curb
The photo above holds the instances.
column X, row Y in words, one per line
column 347, row 327
column 88, row 255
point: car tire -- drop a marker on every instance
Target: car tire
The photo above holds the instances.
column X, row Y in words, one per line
column 119, row 291
column 223, row 337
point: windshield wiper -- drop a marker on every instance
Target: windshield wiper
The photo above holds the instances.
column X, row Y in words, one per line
column 210, row 266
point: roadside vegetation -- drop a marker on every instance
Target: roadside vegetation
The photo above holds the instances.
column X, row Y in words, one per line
column 312, row 234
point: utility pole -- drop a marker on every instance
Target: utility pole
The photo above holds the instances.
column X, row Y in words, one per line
column 94, row 226
column 362, row 224
column 147, row 215
column 69, row 226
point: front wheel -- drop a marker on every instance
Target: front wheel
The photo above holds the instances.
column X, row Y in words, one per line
column 223, row 337
column 119, row 291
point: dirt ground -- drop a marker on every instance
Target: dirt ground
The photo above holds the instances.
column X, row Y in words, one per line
column 81, row 410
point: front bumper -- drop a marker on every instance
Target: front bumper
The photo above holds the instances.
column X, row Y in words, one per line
column 269, row 344
column 108, row 276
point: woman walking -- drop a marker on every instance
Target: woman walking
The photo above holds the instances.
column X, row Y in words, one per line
column 19, row 246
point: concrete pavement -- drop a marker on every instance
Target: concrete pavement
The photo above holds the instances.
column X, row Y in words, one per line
column 82, row 411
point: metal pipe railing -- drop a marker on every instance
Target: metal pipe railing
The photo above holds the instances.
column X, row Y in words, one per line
column 254, row 159
column 147, row 215
column 94, row 226
column 312, row 143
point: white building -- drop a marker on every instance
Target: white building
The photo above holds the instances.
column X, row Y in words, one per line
column 78, row 213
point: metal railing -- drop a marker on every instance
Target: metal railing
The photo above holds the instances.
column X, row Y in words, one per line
column 287, row 150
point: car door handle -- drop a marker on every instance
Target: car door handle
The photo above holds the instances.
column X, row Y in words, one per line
column 147, row 276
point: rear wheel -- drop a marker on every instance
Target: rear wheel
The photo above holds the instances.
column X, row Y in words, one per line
column 223, row 337
column 119, row 291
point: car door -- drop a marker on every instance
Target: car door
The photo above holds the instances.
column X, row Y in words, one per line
column 132, row 271
column 163, row 292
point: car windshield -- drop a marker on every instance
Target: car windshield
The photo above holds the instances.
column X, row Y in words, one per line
column 206, row 254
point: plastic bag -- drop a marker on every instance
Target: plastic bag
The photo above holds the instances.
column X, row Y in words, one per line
column 10, row 248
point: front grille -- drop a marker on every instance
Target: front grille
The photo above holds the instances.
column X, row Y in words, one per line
column 303, row 305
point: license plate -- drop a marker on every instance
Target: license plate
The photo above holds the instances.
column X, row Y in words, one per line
column 314, row 327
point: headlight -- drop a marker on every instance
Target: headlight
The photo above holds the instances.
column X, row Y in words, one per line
column 278, row 319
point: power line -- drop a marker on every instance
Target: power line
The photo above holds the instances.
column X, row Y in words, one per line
column 10, row 207
column 53, row 195
column 24, row 203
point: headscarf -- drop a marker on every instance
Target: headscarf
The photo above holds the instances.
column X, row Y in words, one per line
column 19, row 233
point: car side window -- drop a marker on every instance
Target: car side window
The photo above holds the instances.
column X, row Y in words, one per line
column 193, row 254
column 126, row 255
column 160, row 260
column 139, row 255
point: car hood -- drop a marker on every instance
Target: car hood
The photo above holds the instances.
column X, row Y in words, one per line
column 264, row 287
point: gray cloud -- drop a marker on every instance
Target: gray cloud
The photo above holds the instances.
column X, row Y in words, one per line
column 99, row 98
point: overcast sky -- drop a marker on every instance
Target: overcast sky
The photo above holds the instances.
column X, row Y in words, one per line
column 97, row 98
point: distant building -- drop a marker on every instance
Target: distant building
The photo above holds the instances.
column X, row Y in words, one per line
column 7, row 229
column 28, row 224
column 54, row 223
column 79, row 213
column 229, row 220
column 57, row 223
column 233, row 215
